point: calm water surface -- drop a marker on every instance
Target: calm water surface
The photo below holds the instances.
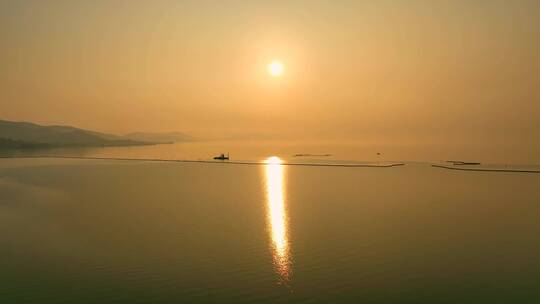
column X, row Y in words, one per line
column 261, row 149
column 93, row 231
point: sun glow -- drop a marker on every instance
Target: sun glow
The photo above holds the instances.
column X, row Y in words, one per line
column 276, row 68
column 277, row 216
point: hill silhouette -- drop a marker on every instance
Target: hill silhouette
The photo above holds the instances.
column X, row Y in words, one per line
column 30, row 135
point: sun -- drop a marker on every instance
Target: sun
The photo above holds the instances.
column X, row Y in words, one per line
column 276, row 68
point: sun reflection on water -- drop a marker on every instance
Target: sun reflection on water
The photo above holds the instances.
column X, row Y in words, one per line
column 277, row 216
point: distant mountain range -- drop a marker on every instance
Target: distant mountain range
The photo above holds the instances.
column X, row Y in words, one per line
column 20, row 135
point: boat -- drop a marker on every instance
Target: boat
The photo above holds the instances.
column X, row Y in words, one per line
column 222, row 157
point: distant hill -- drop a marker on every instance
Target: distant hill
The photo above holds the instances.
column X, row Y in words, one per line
column 166, row 137
column 29, row 135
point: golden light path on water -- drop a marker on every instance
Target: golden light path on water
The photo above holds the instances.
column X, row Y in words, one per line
column 277, row 216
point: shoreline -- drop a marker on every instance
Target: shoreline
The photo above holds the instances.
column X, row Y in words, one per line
column 389, row 165
column 205, row 161
column 486, row 169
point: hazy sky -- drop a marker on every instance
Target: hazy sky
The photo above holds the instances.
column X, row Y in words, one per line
column 406, row 71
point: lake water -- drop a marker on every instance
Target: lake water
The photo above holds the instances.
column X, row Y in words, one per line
column 340, row 151
column 101, row 231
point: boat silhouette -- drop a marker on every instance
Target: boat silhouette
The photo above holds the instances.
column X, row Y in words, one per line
column 222, row 157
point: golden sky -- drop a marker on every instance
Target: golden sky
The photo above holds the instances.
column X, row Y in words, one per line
column 407, row 71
